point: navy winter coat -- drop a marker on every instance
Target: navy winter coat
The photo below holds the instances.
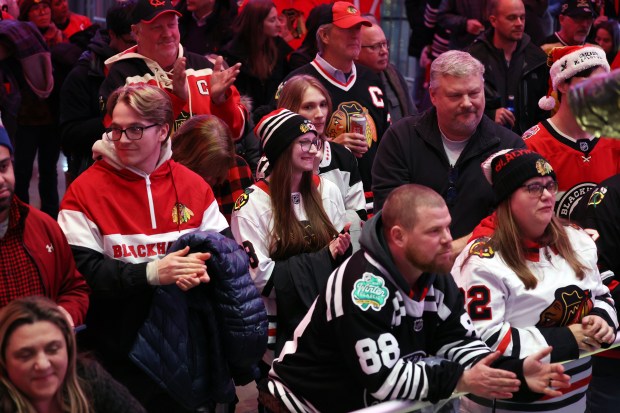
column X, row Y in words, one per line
column 199, row 344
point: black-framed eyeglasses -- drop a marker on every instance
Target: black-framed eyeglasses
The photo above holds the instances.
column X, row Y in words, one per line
column 452, row 193
column 133, row 133
column 305, row 145
column 537, row 189
column 378, row 46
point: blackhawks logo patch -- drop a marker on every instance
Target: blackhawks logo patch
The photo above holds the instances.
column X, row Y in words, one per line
column 370, row 292
column 482, row 248
column 597, row 196
column 243, row 199
column 181, row 214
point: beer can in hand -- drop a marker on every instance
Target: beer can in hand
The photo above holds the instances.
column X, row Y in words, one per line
column 357, row 124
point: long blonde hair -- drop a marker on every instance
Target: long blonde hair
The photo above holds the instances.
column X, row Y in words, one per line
column 508, row 240
column 29, row 310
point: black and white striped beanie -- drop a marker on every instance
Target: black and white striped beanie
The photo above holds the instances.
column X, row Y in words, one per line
column 278, row 129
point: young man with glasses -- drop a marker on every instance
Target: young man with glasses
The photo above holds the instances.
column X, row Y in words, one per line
column 375, row 55
column 121, row 215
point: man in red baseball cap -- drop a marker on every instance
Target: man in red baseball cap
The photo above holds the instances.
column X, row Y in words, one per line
column 196, row 86
column 355, row 90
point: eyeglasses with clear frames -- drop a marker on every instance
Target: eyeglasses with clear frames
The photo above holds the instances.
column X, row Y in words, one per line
column 537, row 189
column 305, row 145
column 378, row 46
column 133, row 133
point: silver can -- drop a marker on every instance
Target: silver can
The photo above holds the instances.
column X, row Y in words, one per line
column 357, row 124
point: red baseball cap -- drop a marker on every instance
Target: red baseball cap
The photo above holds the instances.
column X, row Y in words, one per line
column 345, row 15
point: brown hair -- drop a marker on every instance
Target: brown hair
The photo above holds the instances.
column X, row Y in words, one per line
column 292, row 93
column 149, row 102
column 250, row 31
column 29, row 310
column 205, row 145
column 289, row 236
column 507, row 239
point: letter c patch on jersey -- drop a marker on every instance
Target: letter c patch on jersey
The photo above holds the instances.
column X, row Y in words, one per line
column 370, row 292
column 376, row 94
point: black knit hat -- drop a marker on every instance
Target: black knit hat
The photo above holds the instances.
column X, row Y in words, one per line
column 506, row 170
column 278, row 129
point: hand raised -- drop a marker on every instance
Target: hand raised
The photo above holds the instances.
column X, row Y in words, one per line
column 222, row 79
column 179, row 79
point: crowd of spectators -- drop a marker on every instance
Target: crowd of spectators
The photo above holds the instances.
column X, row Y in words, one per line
column 229, row 163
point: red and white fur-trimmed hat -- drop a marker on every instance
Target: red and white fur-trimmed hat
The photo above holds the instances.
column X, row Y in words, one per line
column 568, row 61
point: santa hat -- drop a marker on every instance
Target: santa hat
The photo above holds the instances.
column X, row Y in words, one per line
column 566, row 62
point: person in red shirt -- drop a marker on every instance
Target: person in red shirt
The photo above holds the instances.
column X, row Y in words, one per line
column 67, row 21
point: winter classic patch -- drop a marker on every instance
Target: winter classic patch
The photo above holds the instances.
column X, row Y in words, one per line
column 370, row 292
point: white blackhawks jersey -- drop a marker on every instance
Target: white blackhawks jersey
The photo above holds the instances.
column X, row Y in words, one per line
column 252, row 224
column 519, row 322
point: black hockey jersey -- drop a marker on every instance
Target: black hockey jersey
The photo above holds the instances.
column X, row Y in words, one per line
column 368, row 338
column 361, row 94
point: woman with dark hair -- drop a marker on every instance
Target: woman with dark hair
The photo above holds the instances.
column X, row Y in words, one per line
column 257, row 45
column 204, row 144
column 607, row 35
column 534, row 281
column 289, row 223
column 40, row 371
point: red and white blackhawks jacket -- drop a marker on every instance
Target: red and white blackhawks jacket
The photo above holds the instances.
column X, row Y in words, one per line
column 131, row 216
column 130, row 67
column 117, row 220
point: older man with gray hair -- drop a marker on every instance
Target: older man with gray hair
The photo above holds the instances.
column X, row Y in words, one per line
column 359, row 117
column 443, row 147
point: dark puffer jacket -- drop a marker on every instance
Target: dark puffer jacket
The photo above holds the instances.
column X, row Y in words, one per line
column 199, row 344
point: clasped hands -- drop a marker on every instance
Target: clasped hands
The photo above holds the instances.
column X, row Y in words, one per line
column 592, row 332
column 183, row 269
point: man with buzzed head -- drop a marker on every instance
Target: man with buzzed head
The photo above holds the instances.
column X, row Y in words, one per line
column 375, row 55
column 195, row 85
column 385, row 311
column 516, row 72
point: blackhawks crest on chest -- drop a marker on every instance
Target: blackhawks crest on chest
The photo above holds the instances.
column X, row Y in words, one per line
column 181, row 214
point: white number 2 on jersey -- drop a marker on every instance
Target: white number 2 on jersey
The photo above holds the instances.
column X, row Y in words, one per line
column 372, row 354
